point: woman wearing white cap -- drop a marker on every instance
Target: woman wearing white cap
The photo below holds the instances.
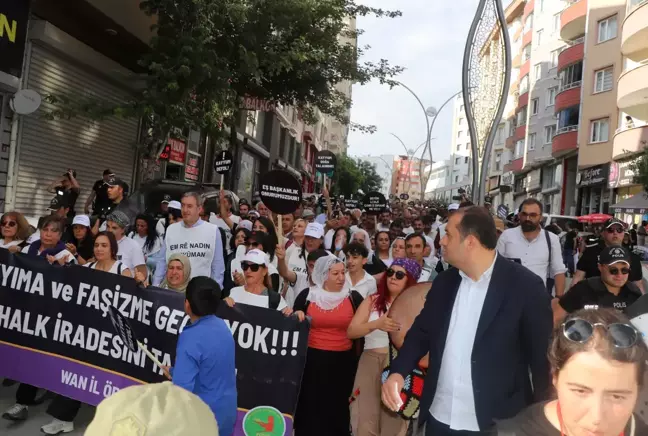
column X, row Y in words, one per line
column 331, row 360
column 81, row 242
column 255, row 292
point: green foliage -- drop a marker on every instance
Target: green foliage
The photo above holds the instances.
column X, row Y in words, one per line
column 639, row 167
column 353, row 174
column 207, row 54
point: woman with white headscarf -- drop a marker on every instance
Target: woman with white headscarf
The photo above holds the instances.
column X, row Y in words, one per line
column 331, row 360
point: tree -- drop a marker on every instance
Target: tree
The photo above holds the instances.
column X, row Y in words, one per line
column 353, row 174
column 639, row 167
column 208, row 54
column 371, row 181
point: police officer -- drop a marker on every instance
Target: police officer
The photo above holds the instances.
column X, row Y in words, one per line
column 611, row 236
column 611, row 289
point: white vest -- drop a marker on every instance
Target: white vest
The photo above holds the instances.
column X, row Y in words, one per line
column 197, row 243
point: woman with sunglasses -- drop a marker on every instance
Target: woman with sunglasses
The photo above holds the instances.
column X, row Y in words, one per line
column 296, row 265
column 15, row 231
column 237, row 240
column 255, row 291
column 331, row 360
column 611, row 289
column 368, row 416
column 598, row 360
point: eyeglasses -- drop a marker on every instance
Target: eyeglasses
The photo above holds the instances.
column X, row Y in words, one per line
column 614, row 230
column 400, row 275
column 529, row 215
column 8, row 224
column 250, row 266
column 580, row 331
column 617, row 271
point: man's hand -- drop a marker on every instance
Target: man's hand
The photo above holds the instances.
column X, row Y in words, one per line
column 391, row 390
column 166, row 371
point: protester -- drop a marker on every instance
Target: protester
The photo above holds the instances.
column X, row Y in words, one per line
column 15, row 230
column 610, row 289
column 297, row 266
column 265, row 225
column 570, row 249
column 129, row 252
column 308, row 215
column 147, row 238
column 244, row 209
column 486, row 330
column 174, row 214
column 66, row 187
column 381, row 257
column 177, row 411
column 612, row 236
column 534, row 247
column 105, row 255
column 205, row 354
column 340, row 238
column 396, row 229
column 98, row 197
column 296, row 237
column 642, row 233
column 195, row 238
column 598, row 362
column 81, row 240
column 398, row 249
column 256, row 291
column 226, row 219
column 50, row 246
column 362, row 237
column 415, row 245
column 287, row 222
column 357, row 278
column 330, row 361
column 262, row 209
column 385, row 221
column 239, row 239
column 371, row 322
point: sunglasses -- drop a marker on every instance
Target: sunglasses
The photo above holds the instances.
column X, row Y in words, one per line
column 400, row 275
column 580, row 331
column 617, row 271
column 250, row 266
column 614, row 230
column 8, row 224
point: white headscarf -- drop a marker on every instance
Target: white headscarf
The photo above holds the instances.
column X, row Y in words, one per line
column 367, row 240
column 324, row 299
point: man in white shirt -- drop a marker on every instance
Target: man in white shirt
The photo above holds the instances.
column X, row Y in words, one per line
column 129, row 253
column 357, row 279
column 199, row 240
column 529, row 244
column 486, row 329
column 385, row 221
column 226, row 220
column 415, row 247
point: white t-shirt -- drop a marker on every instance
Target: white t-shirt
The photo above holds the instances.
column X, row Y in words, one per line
column 10, row 244
column 218, row 221
column 199, row 243
column 116, row 268
column 365, row 287
column 240, row 295
column 62, row 254
column 301, row 283
column 130, row 253
column 157, row 245
column 381, row 228
column 328, row 239
column 408, row 230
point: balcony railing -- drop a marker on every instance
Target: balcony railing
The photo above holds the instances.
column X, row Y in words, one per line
column 570, row 44
column 575, row 84
column 566, row 129
column 634, row 4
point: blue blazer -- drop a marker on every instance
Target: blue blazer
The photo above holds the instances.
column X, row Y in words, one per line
column 512, row 340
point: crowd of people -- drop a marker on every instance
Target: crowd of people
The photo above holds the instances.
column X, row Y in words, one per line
column 504, row 330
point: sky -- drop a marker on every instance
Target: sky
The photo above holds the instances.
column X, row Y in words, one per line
column 428, row 41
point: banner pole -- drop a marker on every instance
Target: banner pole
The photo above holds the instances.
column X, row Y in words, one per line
column 280, row 234
column 222, row 181
column 149, row 354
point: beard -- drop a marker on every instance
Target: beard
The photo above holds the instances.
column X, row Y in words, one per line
column 528, row 226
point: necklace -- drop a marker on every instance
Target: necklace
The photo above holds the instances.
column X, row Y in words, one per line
column 560, row 420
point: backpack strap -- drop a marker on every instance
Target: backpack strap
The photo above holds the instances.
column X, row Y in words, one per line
column 356, row 300
column 301, row 302
column 92, row 264
column 549, row 246
column 273, row 299
column 120, row 268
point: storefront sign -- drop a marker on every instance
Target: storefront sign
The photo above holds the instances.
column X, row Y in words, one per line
column 621, row 174
column 14, row 15
column 325, row 162
column 177, row 151
column 374, row 203
column 280, row 192
column 592, row 176
column 192, row 170
column 257, row 104
column 493, row 183
column 534, row 182
column 507, row 179
column 223, row 162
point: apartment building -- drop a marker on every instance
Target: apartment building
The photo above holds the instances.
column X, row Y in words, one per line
column 406, row 176
column 460, row 152
column 439, row 180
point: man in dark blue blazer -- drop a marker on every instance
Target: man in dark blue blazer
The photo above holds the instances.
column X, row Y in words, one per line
column 486, row 324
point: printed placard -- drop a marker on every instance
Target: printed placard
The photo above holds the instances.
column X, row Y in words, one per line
column 374, row 203
column 325, row 162
column 280, row 192
column 223, row 162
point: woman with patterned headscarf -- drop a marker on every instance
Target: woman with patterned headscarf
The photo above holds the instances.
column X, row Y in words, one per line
column 368, row 416
column 178, row 273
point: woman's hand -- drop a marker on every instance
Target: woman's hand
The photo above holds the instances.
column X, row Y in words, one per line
column 229, row 301
column 140, row 277
column 71, row 248
column 166, row 371
column 387, row 324
column 301, row 316
column 239, row 279
column 280, row 252
column 287, row 311
column 14, row 249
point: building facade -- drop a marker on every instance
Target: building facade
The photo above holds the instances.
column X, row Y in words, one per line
column 406, row 176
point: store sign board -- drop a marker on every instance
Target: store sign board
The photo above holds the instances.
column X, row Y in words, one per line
column 621, row 174
column 177, row 151
column 507, row 179
column 192, row 169
column 14, row 17
column 592, row 176
column 257, row 104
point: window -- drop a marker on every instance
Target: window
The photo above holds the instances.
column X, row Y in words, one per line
column 541, row 5
column 522, row 117
column 459, row 133
column 532, row 141
column 549, row 133
column 461, row 108
column 539, row 37
column 458, row 147
column 519, row 148
column 603, row 80
column 535, row 105
column 499, row 136
column 551, row 95
column 528, row 24
column 461, row 120
column 468, row 146
column 498, row 161
column 607, row 29
column 553, row 58
column 457, row 160
column 556, row 22
column 600, row 130
column 526, row 52
column 524, row 84
column 537, row 71
column 456, row 179
column 571, row 76
column 466, row 159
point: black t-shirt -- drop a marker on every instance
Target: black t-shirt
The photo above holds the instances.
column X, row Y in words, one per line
column 570, row 238
column 592, row 292
column 533, row 422
column 69, row 195
column 101, row 196
column 589, row 263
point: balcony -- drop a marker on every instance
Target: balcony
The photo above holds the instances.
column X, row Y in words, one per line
column 565, row 141
column 510, row 142
column 515, row 165
column 523, row 100
column 573, row 20
column 528, row 8
column 632, row 92
column 634, row 35
column 524, row 69
column 568, row 95
column 571, row 54
column 517, row 60
column 629, row 141
column 527, row 38
column 520, row 132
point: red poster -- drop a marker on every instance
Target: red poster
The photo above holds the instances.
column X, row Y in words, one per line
column 177, row 152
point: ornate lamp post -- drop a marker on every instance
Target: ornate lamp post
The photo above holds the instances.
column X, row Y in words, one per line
column 485, row 86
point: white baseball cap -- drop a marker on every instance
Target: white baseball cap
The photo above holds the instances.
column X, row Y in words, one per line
column 453, row 206
column 255, row 256
column 175, row 204
column 82, row 220
column 314, row 230
column 245, row 224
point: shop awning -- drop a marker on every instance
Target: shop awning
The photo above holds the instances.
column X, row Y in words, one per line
column 638, row 204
